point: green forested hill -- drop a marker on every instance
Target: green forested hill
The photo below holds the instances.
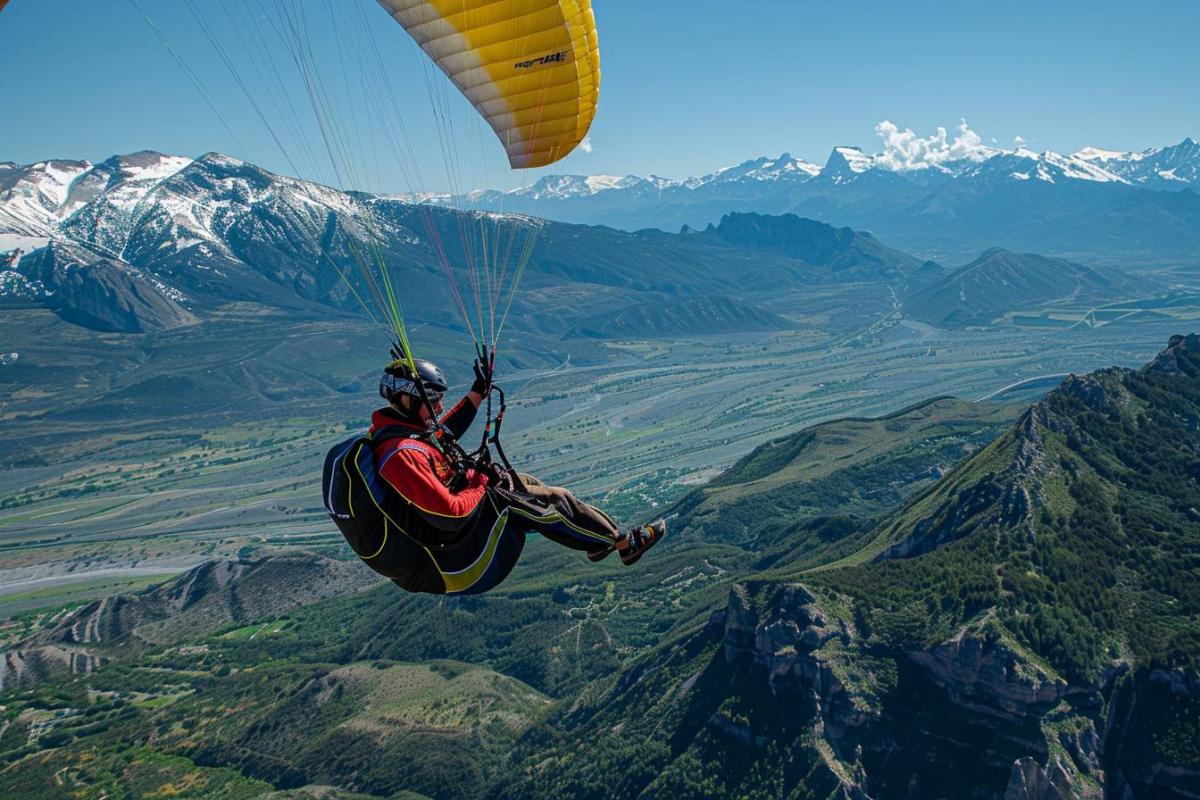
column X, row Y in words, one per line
column 1079, row 529
column 1028, row 626
column 852, row 468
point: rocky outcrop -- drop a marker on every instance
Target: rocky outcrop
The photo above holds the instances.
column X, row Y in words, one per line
column 210, row 596
column 981, row 672
column 974, row 711
column 783, row 642
column 39, row 662
column 1168, row 360
column 107, row 294
column 1055, row 781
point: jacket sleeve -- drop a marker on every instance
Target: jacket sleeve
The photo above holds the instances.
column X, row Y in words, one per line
column 458, row 419
column 410, row 474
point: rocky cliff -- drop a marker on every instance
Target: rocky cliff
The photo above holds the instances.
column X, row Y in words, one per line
column 107, row 294
column 208, row 597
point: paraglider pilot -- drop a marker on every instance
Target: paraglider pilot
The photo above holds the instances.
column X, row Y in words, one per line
column 419, row 510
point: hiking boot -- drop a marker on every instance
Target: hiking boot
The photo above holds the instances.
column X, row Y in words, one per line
column 642, row 538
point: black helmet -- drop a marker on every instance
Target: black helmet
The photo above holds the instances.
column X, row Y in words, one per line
column 398, row 380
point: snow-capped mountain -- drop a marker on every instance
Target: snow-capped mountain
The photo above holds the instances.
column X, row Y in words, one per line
column 947, row 206
column 150, row 232
column 845, row 164
column 1167, row 168
column 786, row 183
column 223, row 228
column 36, row 199
column 32, row 197
column 1026, row 165
column 564, row 186
column 784, row 168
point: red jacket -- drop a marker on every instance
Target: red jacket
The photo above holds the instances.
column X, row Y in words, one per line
column 420, row 473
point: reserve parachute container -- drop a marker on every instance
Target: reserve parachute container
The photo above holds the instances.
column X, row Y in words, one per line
column 531, row 68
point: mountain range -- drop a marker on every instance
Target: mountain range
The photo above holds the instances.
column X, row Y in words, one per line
column 216, row 229
column 1089, row 204
column 1174, row 167
column 153, row 242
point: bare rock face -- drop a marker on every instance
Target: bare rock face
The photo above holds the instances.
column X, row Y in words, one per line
column 207, row 597
column 1101, row 391
column 1168, row 360
column 988, row 675
column 107, row 294
column 36, row 663
column 783, row 642
column 974, row 712
column 1056, row 781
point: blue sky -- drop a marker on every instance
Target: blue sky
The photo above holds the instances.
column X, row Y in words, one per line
column 688, row 85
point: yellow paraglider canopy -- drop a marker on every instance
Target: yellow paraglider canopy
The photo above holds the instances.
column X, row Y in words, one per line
column 530, row 67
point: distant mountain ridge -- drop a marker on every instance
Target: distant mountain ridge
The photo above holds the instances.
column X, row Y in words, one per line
column 1171, row 167
column 1000, row 281
column 192, row 234
column 843, row 251
column 209, row 596
column 1091, row 203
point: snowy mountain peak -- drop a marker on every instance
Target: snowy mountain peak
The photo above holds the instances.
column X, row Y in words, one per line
column 147, row 165
column 762, row 168
column 598, row 183
column 1073, row 167
column 221, row 160
column 845, row 164
column 1171, row 167
column 787, row 163
column 852, row 157
column 31, row 196
column 1102, row 155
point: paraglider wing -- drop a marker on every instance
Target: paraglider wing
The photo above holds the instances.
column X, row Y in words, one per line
column 530, row 67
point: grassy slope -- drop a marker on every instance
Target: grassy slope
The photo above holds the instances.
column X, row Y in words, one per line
column 855, row 467
column 1112, row 460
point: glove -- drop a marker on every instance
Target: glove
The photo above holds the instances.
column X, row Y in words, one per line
column 498, row 477
column 483, row 379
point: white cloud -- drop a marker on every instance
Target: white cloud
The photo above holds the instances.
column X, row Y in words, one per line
column 904, row 149
column 586, row 144
column 1019, row 141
